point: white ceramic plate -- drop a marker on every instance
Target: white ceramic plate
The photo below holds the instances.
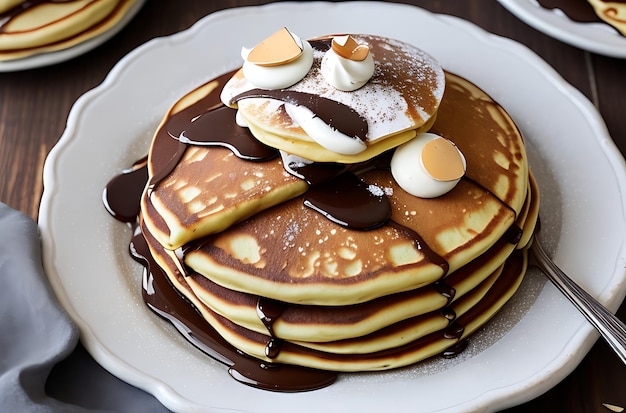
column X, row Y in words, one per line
column 533, row 344
column 593, row 37
column 50, row 58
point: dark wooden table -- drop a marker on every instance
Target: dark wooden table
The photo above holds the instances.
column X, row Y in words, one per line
column 34, row 105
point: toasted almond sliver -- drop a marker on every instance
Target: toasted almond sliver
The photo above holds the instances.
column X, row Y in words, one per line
column 442, row 160
column 348, row 48
column 360, row 53
column 276, row 50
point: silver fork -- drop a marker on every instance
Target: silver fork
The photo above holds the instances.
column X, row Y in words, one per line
column 609, row 326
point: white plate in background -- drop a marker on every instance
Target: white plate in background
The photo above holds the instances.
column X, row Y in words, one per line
column 58, row 56
column 598, row 38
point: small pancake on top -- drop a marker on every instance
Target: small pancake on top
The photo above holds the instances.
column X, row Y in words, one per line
column 380, row 101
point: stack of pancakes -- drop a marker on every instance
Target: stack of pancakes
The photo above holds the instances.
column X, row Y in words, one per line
column 32, row 27
column 283, row 283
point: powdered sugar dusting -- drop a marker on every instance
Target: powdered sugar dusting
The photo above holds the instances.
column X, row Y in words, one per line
column 379, row 191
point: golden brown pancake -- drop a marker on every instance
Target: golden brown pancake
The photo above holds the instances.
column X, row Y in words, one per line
column 292, row 253
column 210, row 188
column 397, row 344
column 401, row 344
column 47, row 26
column 398, row 102
column 228, row 192
column 323, row 323
column 8, row 4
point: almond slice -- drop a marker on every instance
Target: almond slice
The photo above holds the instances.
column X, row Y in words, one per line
column 276, row 50
column 442, row 160
column 348, row 48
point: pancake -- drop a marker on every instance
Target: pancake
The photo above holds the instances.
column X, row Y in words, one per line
column 8, row 4
column 398, row 344
column 414, row 349
column 197, row 198
column 399, row 101
column 234, row 195
column 611, row 12
column 311, row 258
column 329, row 323
column 34, row 27
column 342, row 324
column 292, row 253
column 324, row 323
column 173, row 221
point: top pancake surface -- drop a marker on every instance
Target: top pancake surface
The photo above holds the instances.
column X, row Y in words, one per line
column 403, row 94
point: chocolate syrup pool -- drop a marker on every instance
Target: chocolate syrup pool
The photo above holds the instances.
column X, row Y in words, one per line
column 216, row 127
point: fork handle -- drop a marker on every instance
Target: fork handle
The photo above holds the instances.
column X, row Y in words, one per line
column 610, row 327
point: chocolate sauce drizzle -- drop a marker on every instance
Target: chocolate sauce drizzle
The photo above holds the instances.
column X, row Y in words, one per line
column 269, row 311
column 336, row 192
column 317, row 173
column 362, row 210
column 445, row 290
column 421, row 245
column 122, row 195
column 217, row 127
column 206, row 122
column 339, row 116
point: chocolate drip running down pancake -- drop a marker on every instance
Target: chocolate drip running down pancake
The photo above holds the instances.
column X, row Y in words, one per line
column 236, row 235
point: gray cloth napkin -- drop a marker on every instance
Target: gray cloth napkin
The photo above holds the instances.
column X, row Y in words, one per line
column 43, row 367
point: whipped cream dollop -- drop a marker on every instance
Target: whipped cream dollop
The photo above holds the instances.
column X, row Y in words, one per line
column 428, row 166
column 347, row 65
column 267, row 70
